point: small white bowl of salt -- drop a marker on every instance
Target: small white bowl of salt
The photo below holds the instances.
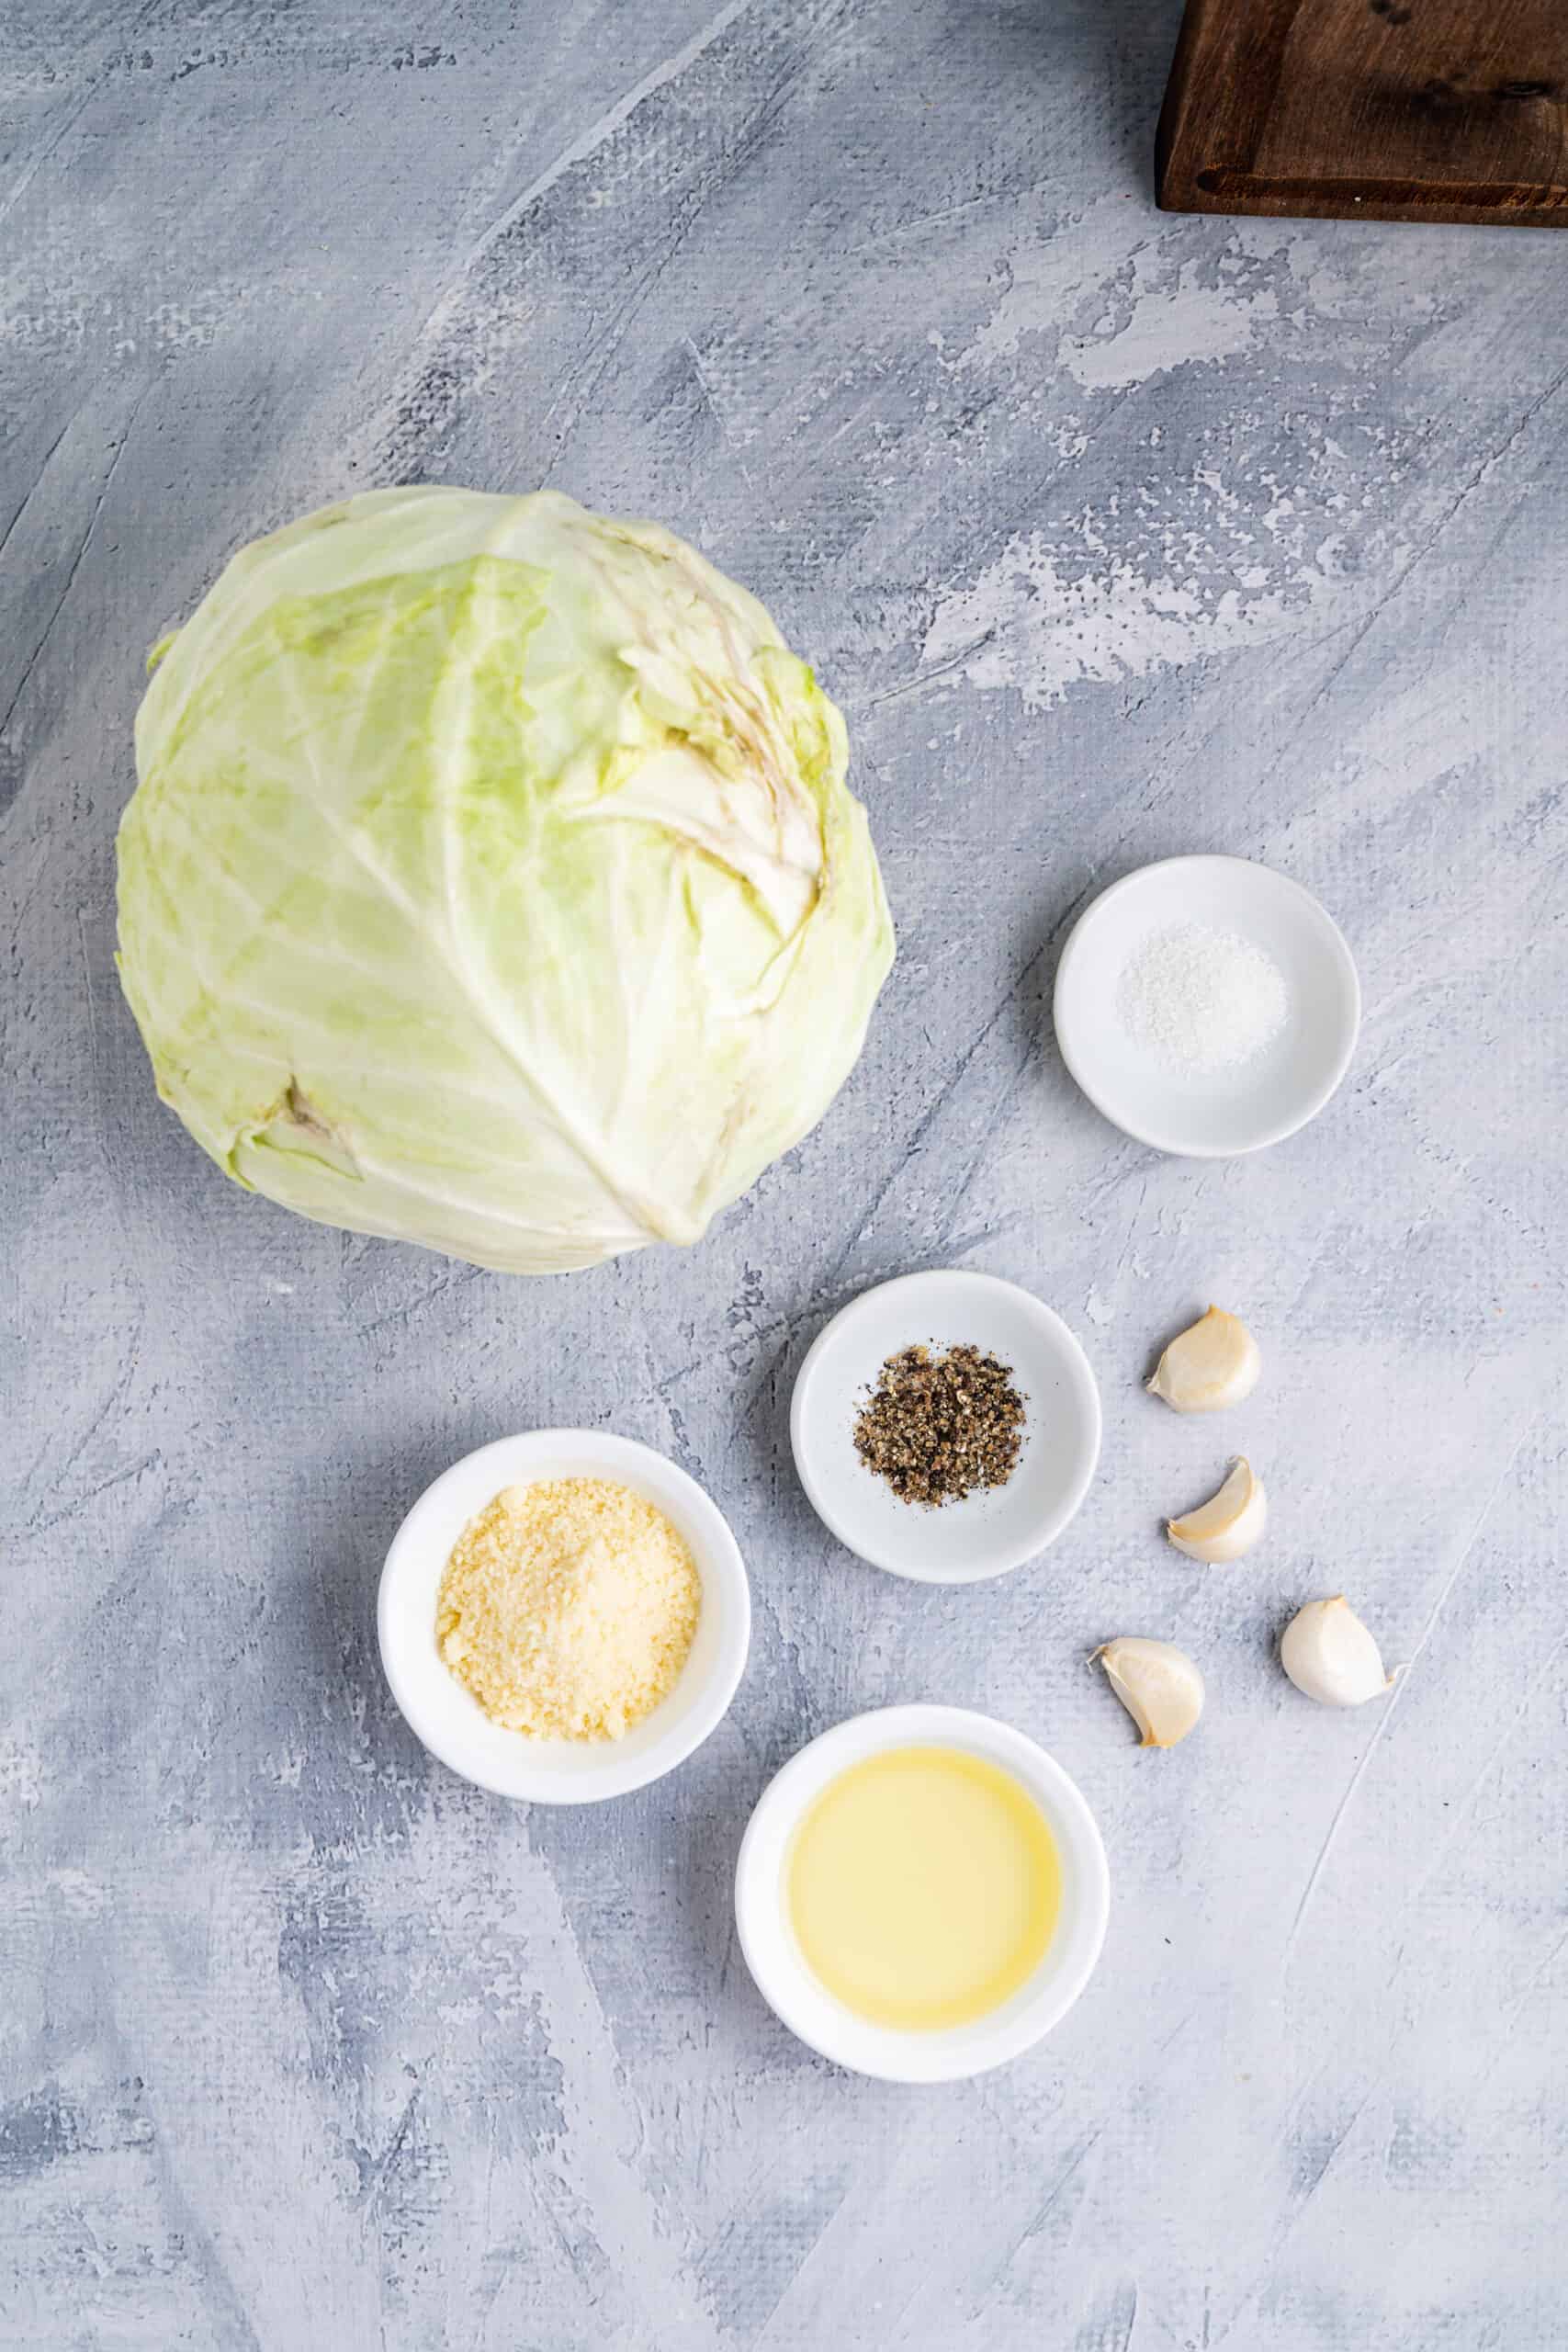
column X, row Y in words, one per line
column 1207, row 1005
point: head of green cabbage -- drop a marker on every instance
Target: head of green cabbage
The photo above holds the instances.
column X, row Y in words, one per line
column 491, row 881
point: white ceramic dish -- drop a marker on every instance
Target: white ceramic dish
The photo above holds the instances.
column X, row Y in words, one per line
column 997, row 1528
column 451, row 1722
column 1234, row 1111
column 805, row 2005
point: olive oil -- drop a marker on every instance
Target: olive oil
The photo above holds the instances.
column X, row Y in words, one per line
column 923, row 1887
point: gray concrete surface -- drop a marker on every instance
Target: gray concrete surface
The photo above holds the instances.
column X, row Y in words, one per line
column 1116, row 535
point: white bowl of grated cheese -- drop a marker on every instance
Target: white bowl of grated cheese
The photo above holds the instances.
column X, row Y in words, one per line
column 444, row 1714
column 1207, row 1005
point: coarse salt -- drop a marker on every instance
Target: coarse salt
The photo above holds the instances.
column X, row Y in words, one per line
column 1201, row 1000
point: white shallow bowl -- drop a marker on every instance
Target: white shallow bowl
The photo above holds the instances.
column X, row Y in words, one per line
column 997, row 1527
column 805, row 2005
column 446, row 1716
column 1233, row 1111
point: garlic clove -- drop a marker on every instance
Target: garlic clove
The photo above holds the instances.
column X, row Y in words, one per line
column 1226, row 1527
column 1329, row 1655
column 1158, row 1685
column 1213, row 1363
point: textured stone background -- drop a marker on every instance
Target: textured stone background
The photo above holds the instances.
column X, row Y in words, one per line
column 1116, row 535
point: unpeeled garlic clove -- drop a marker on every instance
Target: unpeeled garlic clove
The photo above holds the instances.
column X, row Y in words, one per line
column 1328, row 1653
column 1226, row 1527
column 1213, row 1363
column 1158, row 1685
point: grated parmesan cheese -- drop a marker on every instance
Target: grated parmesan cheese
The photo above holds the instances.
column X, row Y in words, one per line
column 568, row 1607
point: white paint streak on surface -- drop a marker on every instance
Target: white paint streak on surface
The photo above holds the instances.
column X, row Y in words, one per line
column 1029, row 624
column 21, row 1771
column 1182, row 326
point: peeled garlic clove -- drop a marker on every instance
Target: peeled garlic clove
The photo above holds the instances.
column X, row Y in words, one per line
column 1227, row 1526
column 1213, row 1363
column 1328, row 1653
column 1158, row 1685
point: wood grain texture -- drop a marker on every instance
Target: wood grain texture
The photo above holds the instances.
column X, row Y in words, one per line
column 1390, row 109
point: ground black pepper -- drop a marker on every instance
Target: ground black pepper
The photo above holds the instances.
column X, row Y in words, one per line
column 938, row 1425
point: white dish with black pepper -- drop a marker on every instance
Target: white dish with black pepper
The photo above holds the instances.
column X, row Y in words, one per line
column 991, row 1529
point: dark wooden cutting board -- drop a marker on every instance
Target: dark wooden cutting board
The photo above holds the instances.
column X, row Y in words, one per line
column 1381, row 109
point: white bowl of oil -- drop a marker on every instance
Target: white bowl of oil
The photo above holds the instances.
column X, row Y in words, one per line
column 921, row 1894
